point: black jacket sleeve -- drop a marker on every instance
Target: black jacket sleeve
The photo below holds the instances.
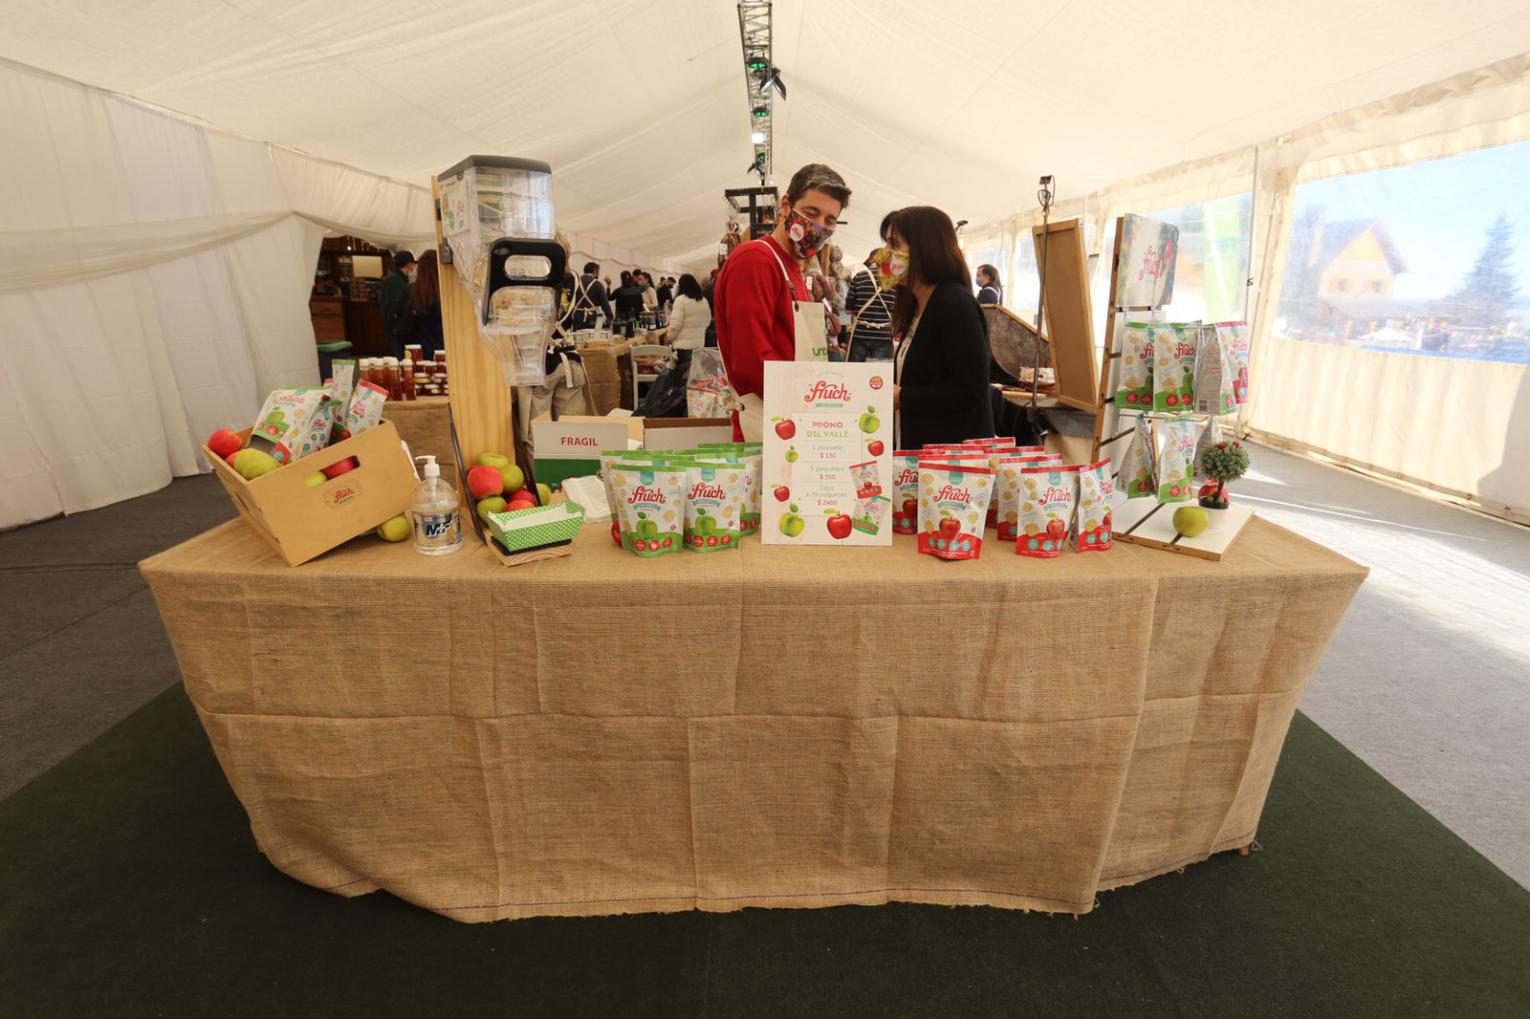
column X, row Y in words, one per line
column 954, row 336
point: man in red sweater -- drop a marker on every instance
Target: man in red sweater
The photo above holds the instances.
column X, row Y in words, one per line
column 755, row 290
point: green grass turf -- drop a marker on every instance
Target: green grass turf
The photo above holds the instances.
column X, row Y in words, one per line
column 129, row 884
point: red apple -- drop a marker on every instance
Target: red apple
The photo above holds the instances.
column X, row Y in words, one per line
column 230, row 458
column 910, row 508
column 519, row 504
column 839, row 525
column 484, row 481
column 1057, row 530
column 782, row 493
column 224, row 442
column 345, row 466
column 950, row 527
column 875, row 447
column 523, row 493
column 616, row 532
column 786, row 429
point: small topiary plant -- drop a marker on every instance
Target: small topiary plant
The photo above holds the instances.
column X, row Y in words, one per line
column 1223, row 463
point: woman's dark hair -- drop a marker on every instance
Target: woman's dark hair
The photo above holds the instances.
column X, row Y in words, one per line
column 992, row 274
column 887, row 222
column 626, row 278
column 934, row 257
column 690, row 288
column 425, row 291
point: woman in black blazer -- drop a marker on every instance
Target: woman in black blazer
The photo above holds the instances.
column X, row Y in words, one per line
column 941, row 377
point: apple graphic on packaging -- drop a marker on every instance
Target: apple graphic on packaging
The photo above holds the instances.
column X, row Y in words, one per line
column 910, row 508
column 513, row 476
column 498, row 460
column 950, row 527
column 791, row 523
column 315, row 479
column 839, row 525
column 870, row 422
column 782, row 493
column 253, row 463
column 786, row 429
column 345, row 466
column 493, row 504
column 224, row 442
column 875, row 447
column 484, row 481
column 394, row 528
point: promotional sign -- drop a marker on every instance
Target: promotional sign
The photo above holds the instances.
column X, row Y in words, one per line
column 1148, row 251
column 827, row 469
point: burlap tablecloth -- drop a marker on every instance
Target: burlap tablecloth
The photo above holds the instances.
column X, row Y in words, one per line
column 426, row 425
column 768, row 727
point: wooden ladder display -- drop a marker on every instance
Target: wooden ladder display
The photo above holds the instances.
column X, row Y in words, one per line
column 1146, row 521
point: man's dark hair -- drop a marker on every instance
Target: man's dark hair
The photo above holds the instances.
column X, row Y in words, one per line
column 818, row 177
column 402, row 258
column 593, row 268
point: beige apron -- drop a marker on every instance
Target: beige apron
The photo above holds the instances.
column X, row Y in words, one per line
column 812, row 345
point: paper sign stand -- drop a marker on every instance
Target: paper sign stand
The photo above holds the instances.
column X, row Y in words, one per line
column 1146, row 521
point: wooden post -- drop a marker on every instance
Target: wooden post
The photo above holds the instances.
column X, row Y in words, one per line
column 1104, row 418
column 481, row 404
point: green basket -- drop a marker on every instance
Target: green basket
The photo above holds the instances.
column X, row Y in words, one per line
column 539, row 527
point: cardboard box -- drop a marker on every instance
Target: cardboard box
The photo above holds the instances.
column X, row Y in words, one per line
column 570, row 447
column 301, row 522
column 684, row 433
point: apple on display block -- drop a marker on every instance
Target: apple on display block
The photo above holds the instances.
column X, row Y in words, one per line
column 828, row 427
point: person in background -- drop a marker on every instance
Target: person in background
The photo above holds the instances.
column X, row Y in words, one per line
column 424, row 305
column 588, row 301
column 940, row 391
column 650, row 295
column 990, row 290
column 666, row 292
column 391, row 293
column 628, row 298
column 871, row 307
column 690, row 317
column 761, row 285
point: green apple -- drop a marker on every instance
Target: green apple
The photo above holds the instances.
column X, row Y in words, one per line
column 1191, row 521
column 791, row 524
column 791, row 455
column 646, row 528
column 544, row 494
column 869, row 421
column 315, row 479
column 252, row 463
column 394, row 528
column 499, row 460
column 515, row 479
column 705, row 524
column 493, row 504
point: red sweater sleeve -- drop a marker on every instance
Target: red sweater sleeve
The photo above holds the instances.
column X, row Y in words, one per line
column 754, row 315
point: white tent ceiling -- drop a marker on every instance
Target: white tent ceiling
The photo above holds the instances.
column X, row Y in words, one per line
column 640, row 106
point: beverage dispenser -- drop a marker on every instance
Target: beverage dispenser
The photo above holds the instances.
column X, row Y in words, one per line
column 497, row 218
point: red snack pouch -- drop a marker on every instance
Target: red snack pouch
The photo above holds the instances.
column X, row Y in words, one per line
column 905, row 491
column 953, row 500
column 1048, row 493
column 1096, row 492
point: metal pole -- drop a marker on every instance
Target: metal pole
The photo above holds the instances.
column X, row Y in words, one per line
column 1044, row 196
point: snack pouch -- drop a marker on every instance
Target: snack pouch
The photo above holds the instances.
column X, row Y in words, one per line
column 864, row 476
column 1176, row 459
column 1004, row 507
column 1213, row 375
column 608, row 460
column 1095, row 495
column 366, row 407
column 1234, row 336
column 1210, row 436
column 1136, row 475
column 869, row 513
column 905, row 491
column 1048, row 493
column 953, row 501
column 1003, row 440
column 1134, row 391
column 714, row 506
column 750, row 460
column 1174, row 348
column 1000, row 454
column 285, row 421
column 650, row 507
column 343, row 386
column 321, row 427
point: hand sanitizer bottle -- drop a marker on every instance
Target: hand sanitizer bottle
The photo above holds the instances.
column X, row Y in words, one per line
column 435, row 513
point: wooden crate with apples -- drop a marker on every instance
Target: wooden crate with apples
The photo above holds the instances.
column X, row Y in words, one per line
column 302, row 520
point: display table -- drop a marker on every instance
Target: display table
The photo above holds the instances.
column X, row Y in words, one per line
column 426, row 425
column 769, row 727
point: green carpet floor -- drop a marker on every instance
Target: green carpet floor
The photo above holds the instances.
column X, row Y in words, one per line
column 130, row 884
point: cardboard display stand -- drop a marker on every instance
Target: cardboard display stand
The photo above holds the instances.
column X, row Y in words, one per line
column 1070, row 319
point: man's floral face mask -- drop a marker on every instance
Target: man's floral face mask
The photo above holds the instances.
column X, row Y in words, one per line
column 805, row 237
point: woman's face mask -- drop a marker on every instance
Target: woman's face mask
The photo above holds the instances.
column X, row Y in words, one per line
column 892, row 267
column 804, row 237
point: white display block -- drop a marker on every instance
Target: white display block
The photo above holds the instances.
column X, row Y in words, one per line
column 827, row 469
column 1149, row 522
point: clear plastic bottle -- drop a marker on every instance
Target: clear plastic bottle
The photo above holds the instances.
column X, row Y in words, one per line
column 435, row 513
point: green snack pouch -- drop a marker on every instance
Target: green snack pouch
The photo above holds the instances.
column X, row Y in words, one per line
column 714, row 505
column 1135, row 389
column 1174, row 348
column 1137, row 463
column 650, row 507
column 1176, row 459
